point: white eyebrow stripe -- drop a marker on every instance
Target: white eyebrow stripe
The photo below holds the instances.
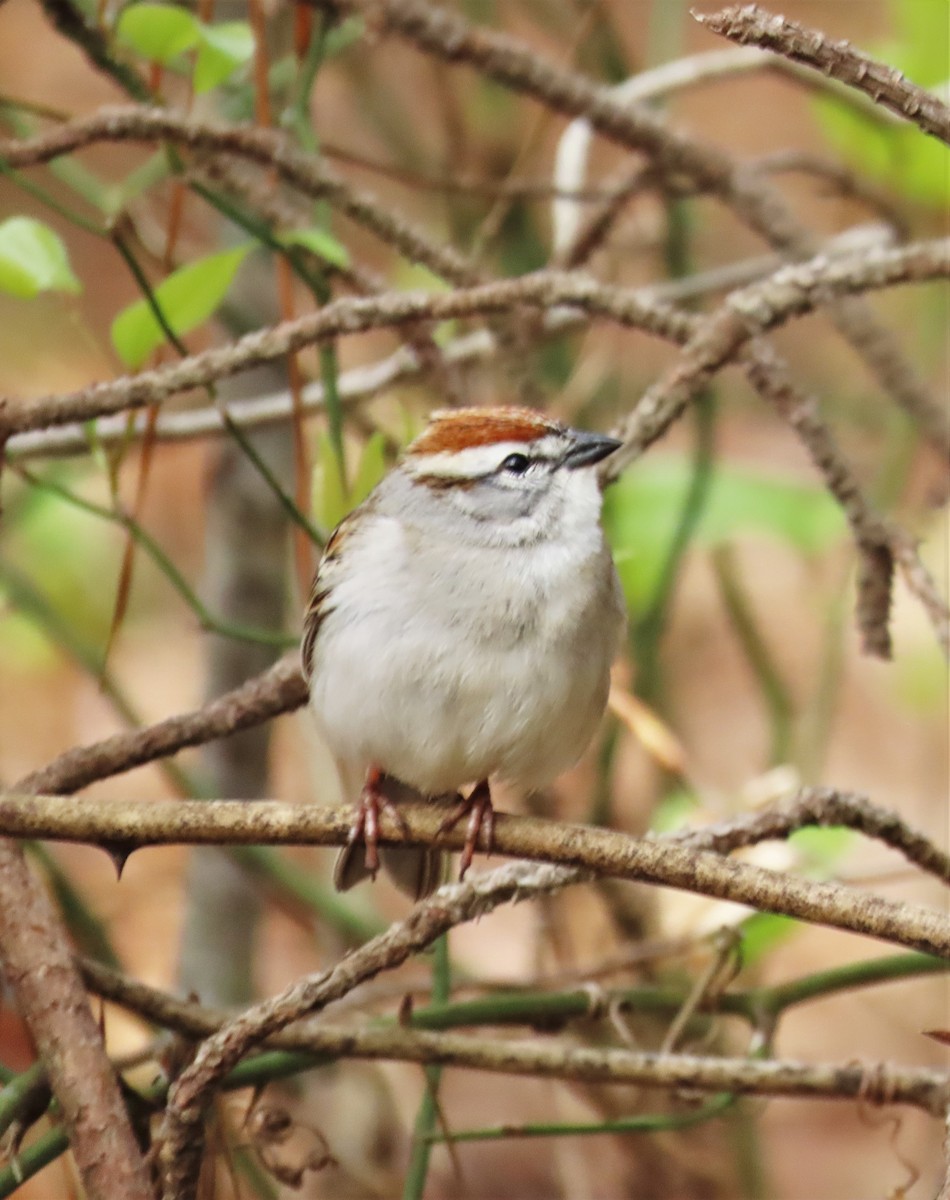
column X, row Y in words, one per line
column 474, row 461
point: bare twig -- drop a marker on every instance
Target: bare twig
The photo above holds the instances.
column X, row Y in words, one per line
column 121, row 828
column 268, row 148
column 885, row 85
column 789, row 293
column 840, row 179
column 922, row 1088
column 673, row 153
column 451, row 906
column 278, row 690
column 755, row 310
column 826, row 807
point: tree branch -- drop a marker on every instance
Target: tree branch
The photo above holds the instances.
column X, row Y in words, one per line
column 791, row 292
column 120, row 828
column 38, row 966
column 277, row 690
column 922, row 1088
column 507, row 61
column 885, row 85
column 825, row 807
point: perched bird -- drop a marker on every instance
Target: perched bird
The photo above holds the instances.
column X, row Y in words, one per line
column 461, row 627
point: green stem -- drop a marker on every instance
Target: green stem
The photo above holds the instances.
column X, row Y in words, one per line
column 647, row 632
column 18, row 1090
column 139, row 535
column 648, row 1123
column 529, row 1007
column 271, row 479
column 780, row 997
column 774, row 692
column 51, row 202
column 423, row 1131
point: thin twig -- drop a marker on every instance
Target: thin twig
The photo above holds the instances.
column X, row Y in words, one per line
column 919, row 1087
column 518, row 66
column 826, row 807
column 750, row 24
column 268, row 148
column 791, row 292
column 278, row 690
column 448, row 907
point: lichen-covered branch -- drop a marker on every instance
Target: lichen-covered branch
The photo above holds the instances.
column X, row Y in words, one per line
column 120, row 828
column 751, row 25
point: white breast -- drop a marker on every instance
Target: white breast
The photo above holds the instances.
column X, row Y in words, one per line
column 445, row 664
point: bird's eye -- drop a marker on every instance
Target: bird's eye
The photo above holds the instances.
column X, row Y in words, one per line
column 516, row 464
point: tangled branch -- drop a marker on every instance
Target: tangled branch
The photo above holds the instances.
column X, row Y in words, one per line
column 749, row 24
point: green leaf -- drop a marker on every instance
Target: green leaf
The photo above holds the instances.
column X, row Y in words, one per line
column 642, row 509
column 187, row 298
column 331, row 503
column 763, row 931
column 343, row 35
column 673, row 811
column 222, row 49
column 321, row 242
column 371, row 469
column 33, row 259
column 159, row 32
column 822, row 849
column 895, row 152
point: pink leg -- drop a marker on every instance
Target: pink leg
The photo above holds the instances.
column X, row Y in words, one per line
column 478, row 808
column 366, row 825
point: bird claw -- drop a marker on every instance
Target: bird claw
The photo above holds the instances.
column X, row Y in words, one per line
column 478, row 808
column 372, row 801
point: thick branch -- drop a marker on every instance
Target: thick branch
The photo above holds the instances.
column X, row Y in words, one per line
column 38, row 966
column 120, row 828
column 885, row 85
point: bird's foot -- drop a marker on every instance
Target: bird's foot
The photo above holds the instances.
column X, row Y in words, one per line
column 373, row 800
column 478, row 808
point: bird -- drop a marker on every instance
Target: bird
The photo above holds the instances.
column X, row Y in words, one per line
column 461, row 628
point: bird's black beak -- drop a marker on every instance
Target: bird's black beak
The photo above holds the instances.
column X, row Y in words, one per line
column 589, row 448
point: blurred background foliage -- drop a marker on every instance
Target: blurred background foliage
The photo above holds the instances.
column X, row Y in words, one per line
column 736, row 564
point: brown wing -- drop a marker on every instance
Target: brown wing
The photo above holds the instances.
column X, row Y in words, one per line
column 318, row 602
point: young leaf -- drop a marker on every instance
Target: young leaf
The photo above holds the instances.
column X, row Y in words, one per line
column 371, row 469
column 187, row 298
column 33, row 259
column 221, row 50
column 159, row 32
column 321, row 242
column 895, row 152
column 761, row 932
column 330, row 500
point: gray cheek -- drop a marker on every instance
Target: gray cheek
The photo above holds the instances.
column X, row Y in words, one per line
column 492, row 502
